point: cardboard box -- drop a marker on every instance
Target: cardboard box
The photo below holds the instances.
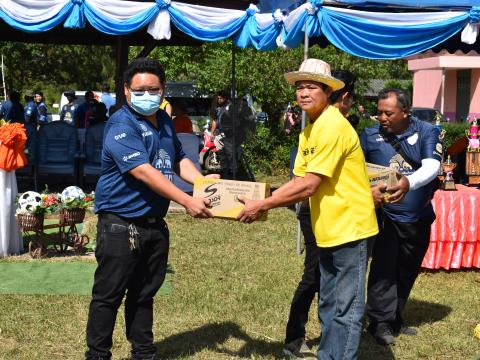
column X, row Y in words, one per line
column 223, row 194
column 381, row 174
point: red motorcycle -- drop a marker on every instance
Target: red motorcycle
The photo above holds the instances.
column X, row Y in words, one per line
column 208, row 156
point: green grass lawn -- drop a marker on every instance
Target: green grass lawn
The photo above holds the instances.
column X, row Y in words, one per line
column 232, row 286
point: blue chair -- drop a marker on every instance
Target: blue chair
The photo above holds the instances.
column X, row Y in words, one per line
column 92, row 165
column 30, row 170
column 191, row 146
column 57, row 144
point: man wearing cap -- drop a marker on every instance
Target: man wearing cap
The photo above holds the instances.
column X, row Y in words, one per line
column 330, row 170
column 67, row 113
column 31, row 112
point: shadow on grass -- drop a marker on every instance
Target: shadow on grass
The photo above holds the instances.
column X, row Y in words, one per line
column 419, row 312
column 212, row 337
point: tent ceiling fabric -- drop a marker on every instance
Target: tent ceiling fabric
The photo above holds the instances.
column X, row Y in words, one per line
column 380, row 34
column 414, row 3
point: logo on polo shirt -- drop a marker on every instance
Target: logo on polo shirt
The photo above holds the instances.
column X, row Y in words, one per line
column 128, row 157
column 120, row 136
column 412, row 140
column 163, row 163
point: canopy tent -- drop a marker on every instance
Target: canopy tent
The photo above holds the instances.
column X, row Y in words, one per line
column 379, row 34
column 389, row 30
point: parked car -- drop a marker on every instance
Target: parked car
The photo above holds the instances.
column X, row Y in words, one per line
column 427, row 114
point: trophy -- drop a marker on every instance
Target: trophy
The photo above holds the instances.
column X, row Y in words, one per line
column 448, row 167
column 472, row 135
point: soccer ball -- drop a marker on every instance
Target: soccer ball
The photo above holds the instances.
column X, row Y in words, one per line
column 72, row 193
column 29, row 201
column 476, row 331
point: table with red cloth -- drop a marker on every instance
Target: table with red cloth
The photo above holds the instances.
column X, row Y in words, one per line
column 455, row 237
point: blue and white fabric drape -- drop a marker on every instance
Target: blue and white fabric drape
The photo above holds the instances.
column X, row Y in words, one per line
column 375, row 35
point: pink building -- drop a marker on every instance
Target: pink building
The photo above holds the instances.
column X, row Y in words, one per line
column 447, row 82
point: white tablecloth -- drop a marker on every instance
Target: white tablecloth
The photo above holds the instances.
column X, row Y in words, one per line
column 10, row 237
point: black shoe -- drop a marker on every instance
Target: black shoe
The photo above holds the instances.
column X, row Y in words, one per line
column 402, row 328
column 405, row 330
column 382, row 332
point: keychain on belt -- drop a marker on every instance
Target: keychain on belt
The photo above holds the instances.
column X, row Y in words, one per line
column 132, row 236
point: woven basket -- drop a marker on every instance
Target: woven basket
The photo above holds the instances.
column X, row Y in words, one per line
column 72, row 216
column 30, row 222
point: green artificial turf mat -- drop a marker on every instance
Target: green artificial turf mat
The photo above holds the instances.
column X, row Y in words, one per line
column 41, row 277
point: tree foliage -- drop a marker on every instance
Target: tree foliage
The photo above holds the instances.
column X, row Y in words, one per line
column 56, row 68
column 261, row 73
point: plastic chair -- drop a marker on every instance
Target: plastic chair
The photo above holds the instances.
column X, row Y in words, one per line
column 191, row 147
column 57, row 143
column 93, row 151
column 30, row 170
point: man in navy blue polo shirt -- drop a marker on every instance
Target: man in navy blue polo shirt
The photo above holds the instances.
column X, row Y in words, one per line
column 31, row 112
column 140, row 155
column 413, row 148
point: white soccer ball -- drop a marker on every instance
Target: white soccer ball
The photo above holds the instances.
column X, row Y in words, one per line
column 72, row 193
column 29, row 201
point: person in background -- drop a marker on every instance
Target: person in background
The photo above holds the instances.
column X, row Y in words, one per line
column 141, row 153
column 41, row 108
column 12, row 110
column 362, row 113
column 219, row 106
column 413, row 148
column 181, row 120
column 31, row 112
column 106, row 98
column 167, row 107
column 67, row 113
column 330, row 170
column 292, row 117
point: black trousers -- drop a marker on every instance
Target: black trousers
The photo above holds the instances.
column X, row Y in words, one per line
column 396, row 259
column 138, row 272
column 309, row 285
column 228, row 161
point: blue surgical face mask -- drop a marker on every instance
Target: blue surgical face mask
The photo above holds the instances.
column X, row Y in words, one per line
column 145, row 104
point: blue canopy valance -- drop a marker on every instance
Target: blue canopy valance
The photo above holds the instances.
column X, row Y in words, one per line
column 376, row 34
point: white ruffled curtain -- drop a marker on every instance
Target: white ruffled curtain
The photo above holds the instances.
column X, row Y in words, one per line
column 11, row 241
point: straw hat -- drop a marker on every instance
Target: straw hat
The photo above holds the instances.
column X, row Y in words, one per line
column 314, row 70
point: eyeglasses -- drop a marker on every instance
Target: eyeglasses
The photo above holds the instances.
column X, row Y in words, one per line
column 141, row 92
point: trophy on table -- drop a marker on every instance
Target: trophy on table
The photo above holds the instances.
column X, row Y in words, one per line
column 473, row 153
column 472, row 134
column 448, row 166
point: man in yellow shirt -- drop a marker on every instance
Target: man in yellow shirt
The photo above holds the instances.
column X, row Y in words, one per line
column 330, row 170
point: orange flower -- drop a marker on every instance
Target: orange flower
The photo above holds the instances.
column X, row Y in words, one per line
column 12, row 144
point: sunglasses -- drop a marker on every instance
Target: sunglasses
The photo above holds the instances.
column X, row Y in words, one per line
column 141, row 92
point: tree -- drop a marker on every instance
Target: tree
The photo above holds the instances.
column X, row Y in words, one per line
column 261, row 73
column 56, row 68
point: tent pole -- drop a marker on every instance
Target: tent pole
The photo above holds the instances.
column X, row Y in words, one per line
column 442, row 99
column 234, row 119
column 121, row 62
column 304, row 120
column 3, row 82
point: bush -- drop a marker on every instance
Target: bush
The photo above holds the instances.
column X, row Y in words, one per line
column 268, row 150
column 454, row 131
